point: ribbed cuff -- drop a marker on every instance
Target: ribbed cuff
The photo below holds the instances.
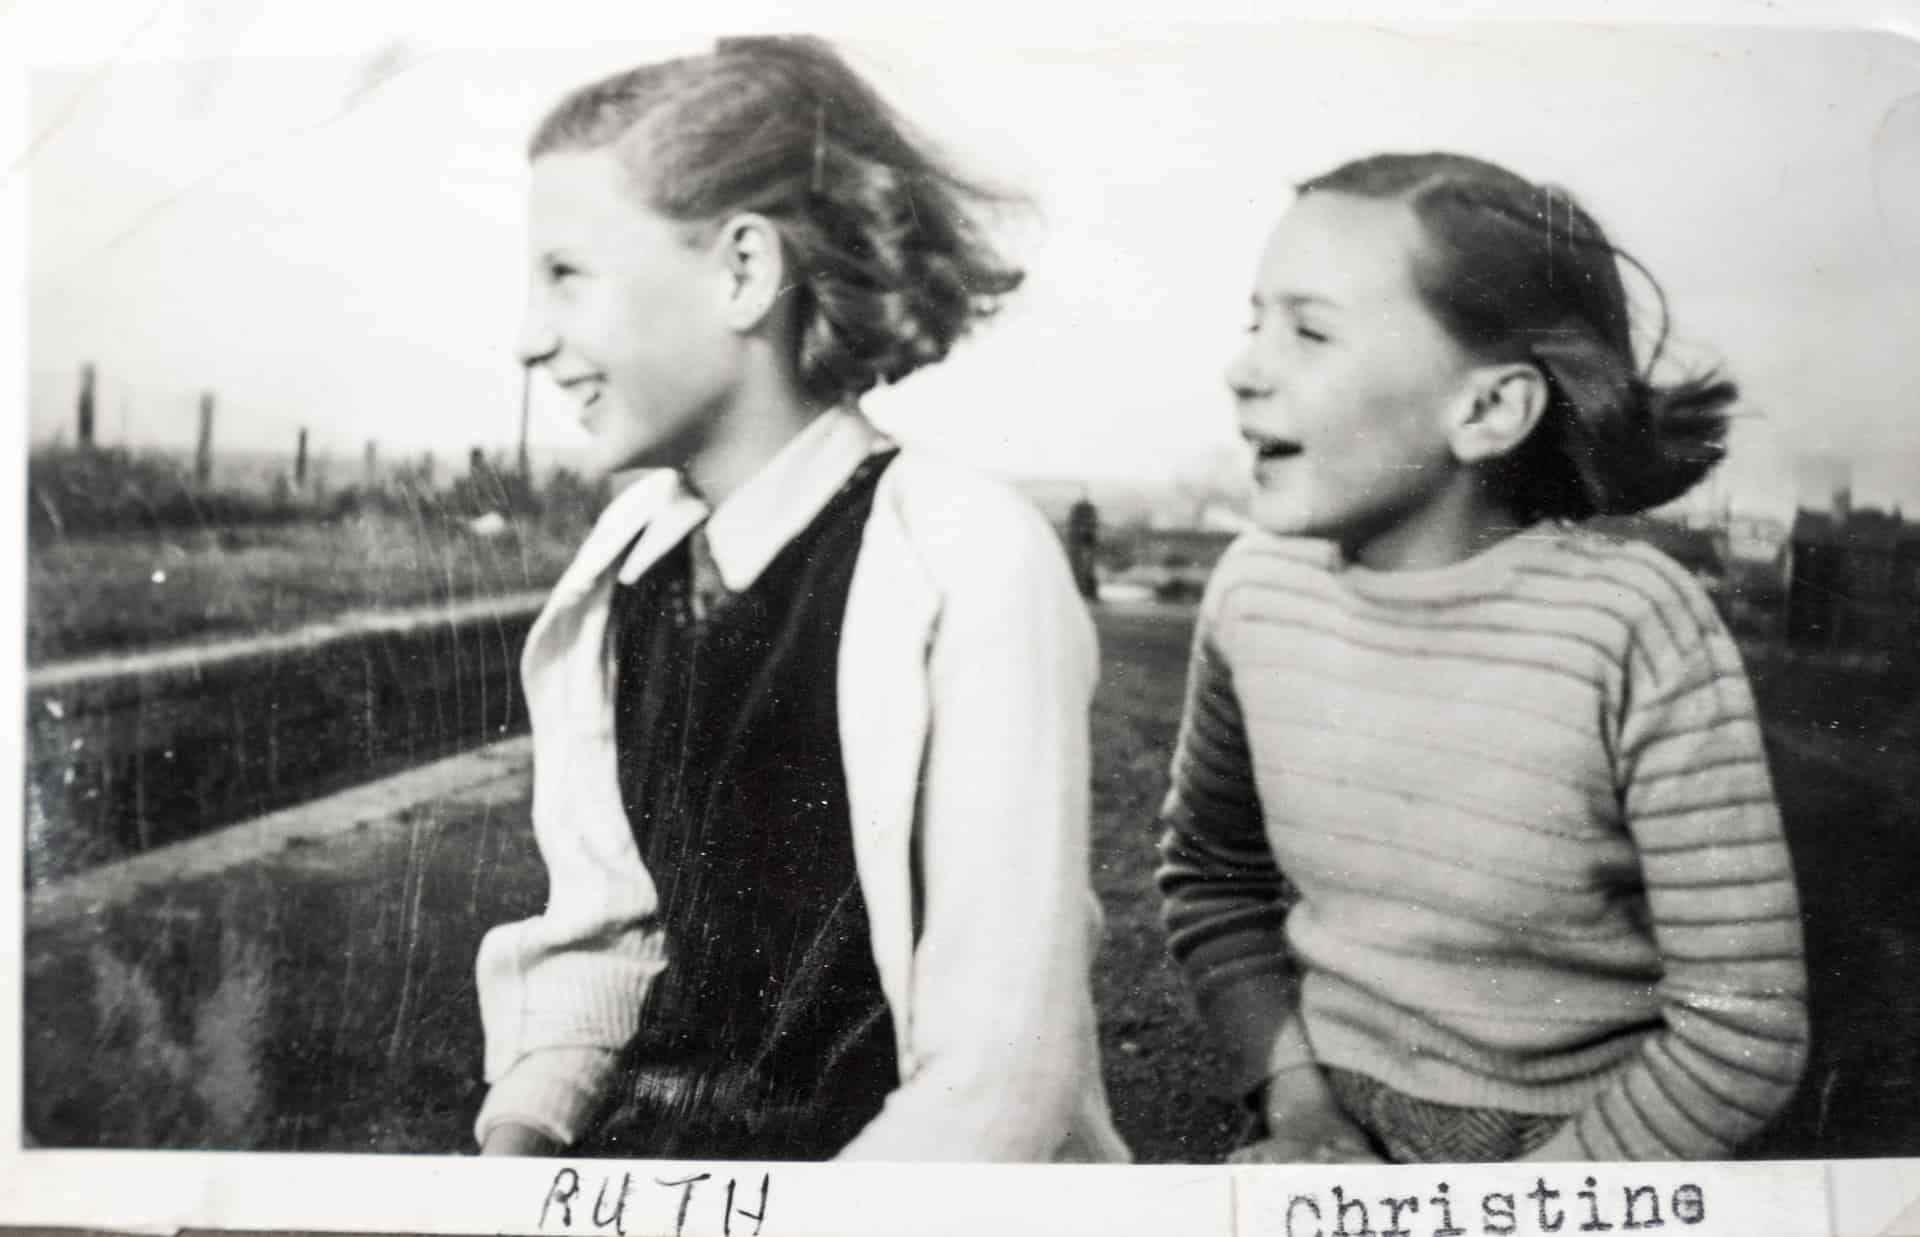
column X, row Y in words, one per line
column 553, row 1092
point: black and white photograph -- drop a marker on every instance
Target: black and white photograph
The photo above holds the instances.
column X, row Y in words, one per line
column 1224, row 589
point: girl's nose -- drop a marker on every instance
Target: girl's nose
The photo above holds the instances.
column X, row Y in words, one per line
column 1247, row 377
column 536, row 341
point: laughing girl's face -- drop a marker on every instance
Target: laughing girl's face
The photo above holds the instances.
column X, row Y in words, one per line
column 1346, row 379
column 626, row 314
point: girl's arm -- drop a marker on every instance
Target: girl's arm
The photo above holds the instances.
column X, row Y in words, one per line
column 559, row 996
column 1002, row 1029
column 1725, row 915
column 1223, row 900
column 1224, row 904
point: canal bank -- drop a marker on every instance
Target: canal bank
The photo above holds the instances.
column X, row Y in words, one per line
column 127, row 754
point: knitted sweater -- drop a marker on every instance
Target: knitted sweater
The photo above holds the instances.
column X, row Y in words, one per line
column 1531, row 855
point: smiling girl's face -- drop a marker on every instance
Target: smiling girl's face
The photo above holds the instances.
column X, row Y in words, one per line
column 626, row 315
column 1346, row 382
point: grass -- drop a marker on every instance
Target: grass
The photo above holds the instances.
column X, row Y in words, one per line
column 117, row 593
column 1845, row 751
column 324, row 1000
column 201, row 1088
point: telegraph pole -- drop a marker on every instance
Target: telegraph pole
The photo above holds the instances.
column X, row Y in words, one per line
column 85, row 427
column 203, row 451
column 526, row 394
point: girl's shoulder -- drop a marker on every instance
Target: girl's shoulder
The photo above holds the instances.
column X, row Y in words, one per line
column 922, row 480
column 960, row 524
column 1260, row 561
column 1629, row 575
column 1622, row 559
column 1254, row 550
column 980, row 558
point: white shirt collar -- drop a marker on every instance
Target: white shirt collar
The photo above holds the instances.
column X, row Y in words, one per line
column 774, row 505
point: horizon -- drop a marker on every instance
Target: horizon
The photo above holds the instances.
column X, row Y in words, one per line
column 332, row 471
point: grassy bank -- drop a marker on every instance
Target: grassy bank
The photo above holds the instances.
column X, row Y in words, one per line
column 129, row 550
column 115, row 593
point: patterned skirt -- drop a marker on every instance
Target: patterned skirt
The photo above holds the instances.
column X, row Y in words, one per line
column 1406, row 1130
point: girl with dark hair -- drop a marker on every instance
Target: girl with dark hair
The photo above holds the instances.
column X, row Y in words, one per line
column 1471, row 850
column 803, row 903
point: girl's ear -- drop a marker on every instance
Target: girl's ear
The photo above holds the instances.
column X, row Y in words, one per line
column 755, row 268
column 1501, row 406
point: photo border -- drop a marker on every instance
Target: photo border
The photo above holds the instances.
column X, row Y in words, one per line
column 161, row 1191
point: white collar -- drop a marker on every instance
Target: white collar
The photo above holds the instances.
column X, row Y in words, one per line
column 770, row 509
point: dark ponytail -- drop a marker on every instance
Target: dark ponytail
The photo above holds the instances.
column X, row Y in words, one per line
column 1612, row 442
column 1520, row 272
column 889, row 267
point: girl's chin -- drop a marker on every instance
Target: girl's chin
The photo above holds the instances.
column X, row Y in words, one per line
column 603, row 464
column 610, row 458
column 1282, row 513
column 1292, row 515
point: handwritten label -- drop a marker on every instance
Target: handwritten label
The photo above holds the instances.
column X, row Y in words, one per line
column 599, row 1203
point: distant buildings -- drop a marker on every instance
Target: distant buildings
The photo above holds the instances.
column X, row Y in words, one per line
column 1853, row 573
column 1845, row 579
column 1758, row 539
column 1854, row 580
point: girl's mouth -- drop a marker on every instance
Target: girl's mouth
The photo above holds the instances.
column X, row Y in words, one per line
column 1270, row 456
column 586, row 390
column 1267, row 450
column 587, row 410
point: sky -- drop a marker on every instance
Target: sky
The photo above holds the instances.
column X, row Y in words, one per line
column 325, row 228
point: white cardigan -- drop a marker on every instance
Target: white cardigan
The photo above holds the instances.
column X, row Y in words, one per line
column 967, row 665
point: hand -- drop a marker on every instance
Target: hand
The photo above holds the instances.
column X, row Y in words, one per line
column 1305, row 1125
column 508, row 1138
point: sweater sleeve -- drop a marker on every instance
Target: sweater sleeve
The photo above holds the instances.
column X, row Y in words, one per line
column 1223, row 899
column 1002, row 1028
column 560, row 994
column 1725, row 915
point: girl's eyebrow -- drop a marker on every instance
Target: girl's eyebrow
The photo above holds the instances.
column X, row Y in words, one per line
column 1294, row 300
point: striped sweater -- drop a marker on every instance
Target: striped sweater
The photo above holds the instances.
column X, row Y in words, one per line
column 1499, row 834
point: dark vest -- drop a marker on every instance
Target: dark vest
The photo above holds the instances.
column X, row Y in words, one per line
column 767, row 1036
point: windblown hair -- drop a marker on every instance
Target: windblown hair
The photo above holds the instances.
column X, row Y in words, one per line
column 887, row 265
column 1520, row 272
